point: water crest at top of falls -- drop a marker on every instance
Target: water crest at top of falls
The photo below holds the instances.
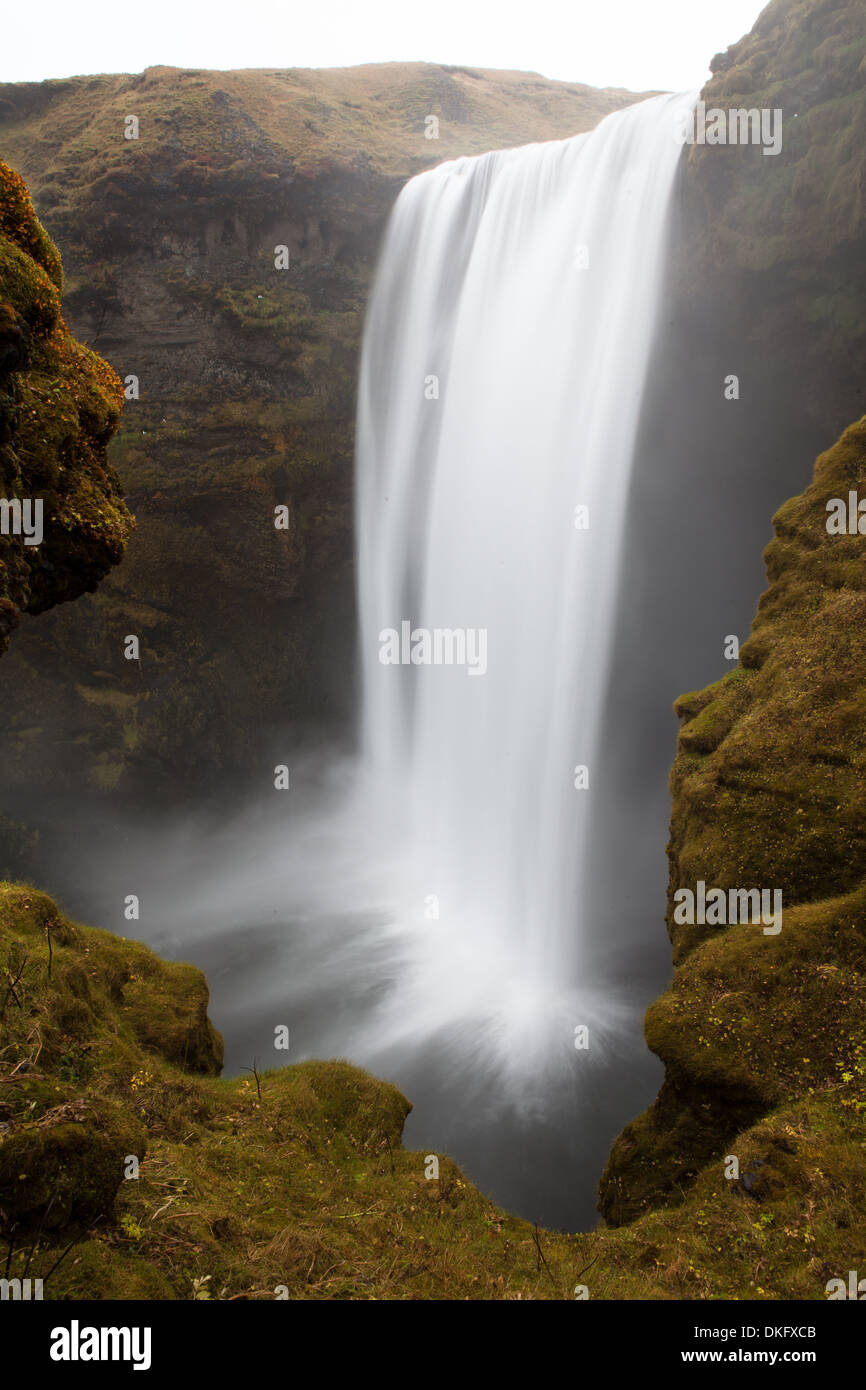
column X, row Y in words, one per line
column 505, row 353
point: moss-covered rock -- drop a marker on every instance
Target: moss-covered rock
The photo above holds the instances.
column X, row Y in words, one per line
column 806, row 58
column 59, row 407
column 292, row 1180
column 80, row 1014
column 769, row 791
column 66, row 1167
column 147, row 1003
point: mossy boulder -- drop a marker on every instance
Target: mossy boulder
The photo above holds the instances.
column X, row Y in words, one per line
column 166, row 1006
column 66, row 1167
column 81, row 1014
column 50, row 964
column 60, row 404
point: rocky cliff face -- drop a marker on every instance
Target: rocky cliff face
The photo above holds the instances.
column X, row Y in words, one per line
column 769, row 790
column 774, row 247
column 247, row 391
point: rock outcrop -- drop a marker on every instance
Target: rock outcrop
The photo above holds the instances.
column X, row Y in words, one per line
column 769, row 792
column 774, row 247
column 59, row 407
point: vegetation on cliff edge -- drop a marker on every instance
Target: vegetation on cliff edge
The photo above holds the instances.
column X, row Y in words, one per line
column 294, row 1182
column 59, row 407
column 769, row 791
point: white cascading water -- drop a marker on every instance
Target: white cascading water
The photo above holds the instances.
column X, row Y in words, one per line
column 527, row 282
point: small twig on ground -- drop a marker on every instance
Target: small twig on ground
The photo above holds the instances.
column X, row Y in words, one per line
column 11, row 990
column 256, row 1075
column 70, row 1246
column 540, row 1260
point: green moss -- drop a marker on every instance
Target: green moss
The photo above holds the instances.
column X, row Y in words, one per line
column 769, row 790
column 166, row 1006
column 59, row 406
column 20, row 226
column 66, row 1167
column 27, row 290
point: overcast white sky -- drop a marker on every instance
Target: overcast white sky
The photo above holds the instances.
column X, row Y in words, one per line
column 639, row 44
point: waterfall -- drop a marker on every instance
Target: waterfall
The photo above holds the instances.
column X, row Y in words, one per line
column 425, row 910
column 504, row 357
